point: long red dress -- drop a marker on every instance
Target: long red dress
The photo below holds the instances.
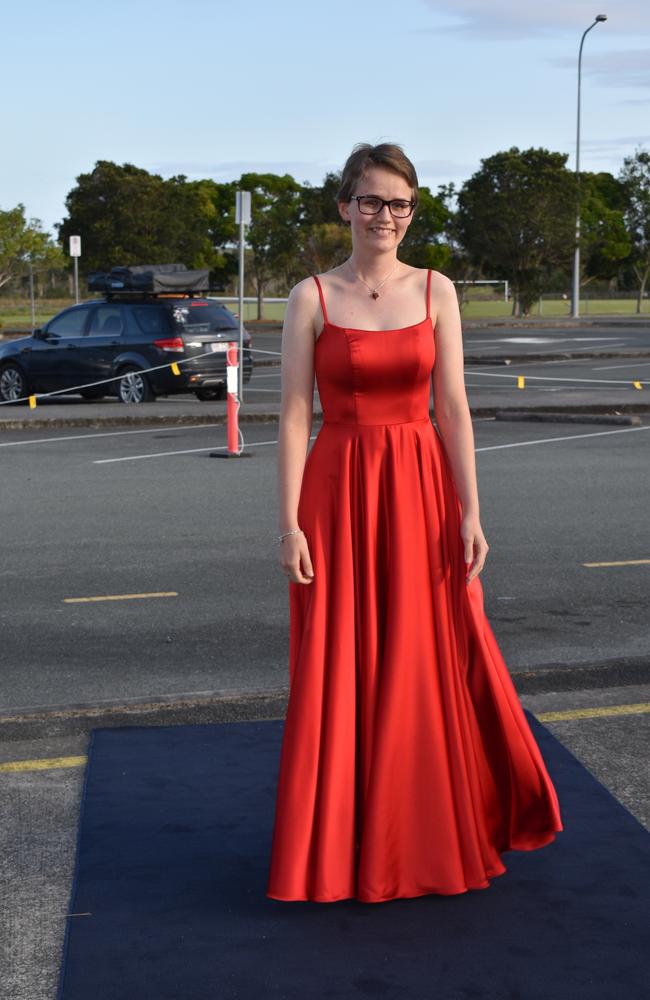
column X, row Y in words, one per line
column 407, row 763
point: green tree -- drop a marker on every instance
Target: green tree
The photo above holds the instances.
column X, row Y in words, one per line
column 223, row 230
column 516, row 219
column 603, row 236
column 320, row 204
column 274, row 234
column 458, row 266
column 323, row 246
column 125, row 215
column 422, row 246
column 635, row 176
column 23, row 242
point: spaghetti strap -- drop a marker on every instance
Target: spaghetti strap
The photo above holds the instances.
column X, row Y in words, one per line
column 428, row 293
column 322, row 299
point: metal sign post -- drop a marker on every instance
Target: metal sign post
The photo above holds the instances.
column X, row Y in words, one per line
column 32, row 304
column 243, row 218
column 75, row 253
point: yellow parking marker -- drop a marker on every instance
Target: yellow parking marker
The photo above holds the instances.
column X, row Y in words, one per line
column 175, row 369
column 637, row 385
column 595, row 713
column 32, row 402
column 521, row 382
column 626, row 562
column 118, row 597
column 44, row 764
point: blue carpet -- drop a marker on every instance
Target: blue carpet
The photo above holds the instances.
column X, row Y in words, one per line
column 168, row 898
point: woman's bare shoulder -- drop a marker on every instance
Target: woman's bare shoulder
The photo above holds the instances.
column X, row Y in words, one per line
column 304, row 291
column 302, row 310
column 441, row 283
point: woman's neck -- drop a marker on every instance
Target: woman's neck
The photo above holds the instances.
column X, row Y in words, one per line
column 373, row 267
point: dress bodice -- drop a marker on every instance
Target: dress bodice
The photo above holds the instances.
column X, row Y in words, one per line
column 374, row 376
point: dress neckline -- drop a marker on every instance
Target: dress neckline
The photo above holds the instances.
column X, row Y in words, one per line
column 357, row 329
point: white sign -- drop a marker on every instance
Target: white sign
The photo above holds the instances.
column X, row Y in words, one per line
column 75, row 246
column 243, row 208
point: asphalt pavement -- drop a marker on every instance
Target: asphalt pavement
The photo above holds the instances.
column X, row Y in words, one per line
column 151, row 512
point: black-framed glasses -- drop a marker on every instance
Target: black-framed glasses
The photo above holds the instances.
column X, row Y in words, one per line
column 370, row 204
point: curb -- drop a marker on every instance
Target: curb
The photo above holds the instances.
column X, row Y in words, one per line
column 613, row 409
column 523, row 359
column 153, row 420
column 559, row 322
column 568, row 418
column 240, row 706
column 175, row 710
column 267, row 417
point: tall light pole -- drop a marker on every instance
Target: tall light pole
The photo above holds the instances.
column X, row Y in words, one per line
column 575, row 304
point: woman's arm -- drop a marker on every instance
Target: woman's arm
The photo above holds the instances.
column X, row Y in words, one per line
column 454, row 419
column 296, row 414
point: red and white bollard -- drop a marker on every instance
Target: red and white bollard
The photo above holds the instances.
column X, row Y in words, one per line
column 232, row 405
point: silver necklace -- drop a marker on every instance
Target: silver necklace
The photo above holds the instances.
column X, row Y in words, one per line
column 373, row 291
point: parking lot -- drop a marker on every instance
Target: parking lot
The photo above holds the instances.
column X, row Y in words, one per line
column 151, row 512
column 182, row 542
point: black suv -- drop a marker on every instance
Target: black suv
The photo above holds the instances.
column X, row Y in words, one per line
column 123, row 334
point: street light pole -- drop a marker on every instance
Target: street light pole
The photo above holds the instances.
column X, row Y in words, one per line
column 575, row 304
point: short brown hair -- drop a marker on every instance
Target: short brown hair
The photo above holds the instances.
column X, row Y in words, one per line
column 386, row 154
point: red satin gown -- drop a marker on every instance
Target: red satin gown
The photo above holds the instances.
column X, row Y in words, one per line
column 407, row 765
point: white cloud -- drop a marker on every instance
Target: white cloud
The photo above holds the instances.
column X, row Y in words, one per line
column 516, row 19
column 614, row 145
column 231, row 170
column 623, row 68
column 442, row 168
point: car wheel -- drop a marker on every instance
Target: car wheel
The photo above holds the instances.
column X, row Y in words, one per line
column 93, row 394
column 209, row 395
column 13, row 383
column 134, row 387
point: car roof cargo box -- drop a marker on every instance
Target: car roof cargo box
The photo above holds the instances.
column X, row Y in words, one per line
column 149, row 278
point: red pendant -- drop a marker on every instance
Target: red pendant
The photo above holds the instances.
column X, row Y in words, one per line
column 375, row 295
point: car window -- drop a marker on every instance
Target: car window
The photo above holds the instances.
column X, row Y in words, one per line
column 70, row 323
column 152, row 320
column 203, row 317
column 106, row 321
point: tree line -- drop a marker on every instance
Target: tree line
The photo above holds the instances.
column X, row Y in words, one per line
column 513, row 219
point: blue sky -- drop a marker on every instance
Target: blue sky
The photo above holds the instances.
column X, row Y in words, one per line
column 211, row 89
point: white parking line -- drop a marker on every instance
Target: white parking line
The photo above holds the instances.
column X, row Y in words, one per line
column 608, row 341
column 560, row 378
column 106, row 434
column 166, row 454
column 259, row 444
column 637, row 364
column 568, row 437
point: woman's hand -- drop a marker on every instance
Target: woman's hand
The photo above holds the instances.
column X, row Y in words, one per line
column 476, row 547
column 295, row 560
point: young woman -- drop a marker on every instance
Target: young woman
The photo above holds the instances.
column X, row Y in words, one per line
column 407, row 763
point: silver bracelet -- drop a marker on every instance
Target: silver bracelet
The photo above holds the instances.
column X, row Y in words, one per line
column 294, row 531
